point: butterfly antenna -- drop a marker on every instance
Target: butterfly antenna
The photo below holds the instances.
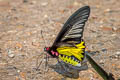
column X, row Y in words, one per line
column 39, row 63
column 46, row 56
column 43, row 38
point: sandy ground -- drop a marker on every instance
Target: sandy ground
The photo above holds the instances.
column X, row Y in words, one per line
column 21, row 42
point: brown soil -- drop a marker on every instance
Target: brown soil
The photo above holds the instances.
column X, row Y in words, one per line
column 21, row 40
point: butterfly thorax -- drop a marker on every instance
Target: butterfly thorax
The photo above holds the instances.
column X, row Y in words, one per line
column 51, row 52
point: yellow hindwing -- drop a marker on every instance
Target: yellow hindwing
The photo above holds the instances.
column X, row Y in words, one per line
column 67, row 51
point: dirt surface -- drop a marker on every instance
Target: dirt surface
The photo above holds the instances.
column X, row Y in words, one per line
column 21, row 40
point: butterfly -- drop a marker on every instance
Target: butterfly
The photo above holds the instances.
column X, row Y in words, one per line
column 69, row 45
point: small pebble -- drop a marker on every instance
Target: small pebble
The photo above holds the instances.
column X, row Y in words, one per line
column 114, row 28
column 33, row 2
column 18, row 71
column 100, row 44
column 34, row 40
column 75, row 3
column 36, row 25
column 53, row 35
column 101, row 26
column 102, row 63
column 104, row 50
column 118, row 53
column 44, row 3
column 113, row 34
column 107, row 10
column 116, row 56
column 45, row 16
column 11, row 54
column 24, row 42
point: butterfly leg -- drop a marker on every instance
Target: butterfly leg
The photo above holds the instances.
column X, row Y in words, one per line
column 46, row 63
column 38, row 64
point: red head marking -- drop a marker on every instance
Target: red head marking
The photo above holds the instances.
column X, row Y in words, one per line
column 46, row 48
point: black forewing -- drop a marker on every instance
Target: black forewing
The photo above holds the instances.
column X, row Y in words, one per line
column 74, row 26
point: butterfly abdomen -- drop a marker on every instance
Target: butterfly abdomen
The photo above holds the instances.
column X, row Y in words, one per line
column 70, row 59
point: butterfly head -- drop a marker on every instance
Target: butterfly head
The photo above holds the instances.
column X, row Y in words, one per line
column 51, row 52
column 46, row 49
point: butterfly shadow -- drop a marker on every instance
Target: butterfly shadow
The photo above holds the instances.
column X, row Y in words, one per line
column 68, row 70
